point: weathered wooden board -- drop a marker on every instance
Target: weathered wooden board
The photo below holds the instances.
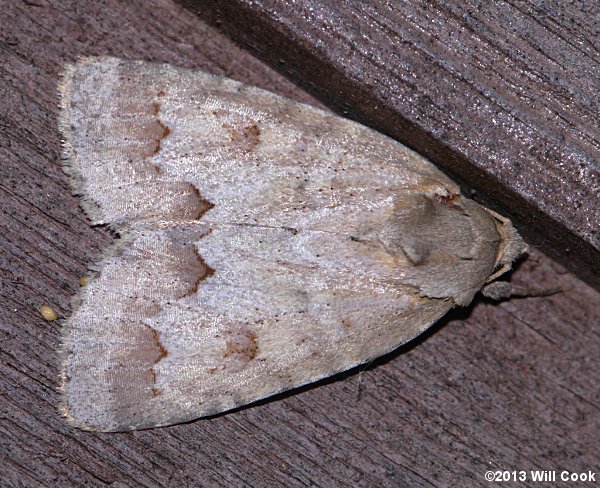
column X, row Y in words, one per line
column 510, row 386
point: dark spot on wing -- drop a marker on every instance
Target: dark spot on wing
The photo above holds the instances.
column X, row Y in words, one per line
column 161, row 353
column 241, row 346
column 204, row 271
column 244, row 135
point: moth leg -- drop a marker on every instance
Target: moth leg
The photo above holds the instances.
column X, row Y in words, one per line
column 503, row 290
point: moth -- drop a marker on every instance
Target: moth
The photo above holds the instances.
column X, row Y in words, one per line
column 262, row 244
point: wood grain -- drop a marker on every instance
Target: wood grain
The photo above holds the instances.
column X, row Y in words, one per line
column 502, row 95
column 510, row 386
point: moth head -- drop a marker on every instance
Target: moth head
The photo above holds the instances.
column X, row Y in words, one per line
column 510, row 247
column 448, row 247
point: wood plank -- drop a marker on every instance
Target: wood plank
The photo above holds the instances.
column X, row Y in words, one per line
column 502, row 95
column 510, row 386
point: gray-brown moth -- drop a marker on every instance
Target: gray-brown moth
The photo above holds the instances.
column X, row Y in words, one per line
column 264, row 244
